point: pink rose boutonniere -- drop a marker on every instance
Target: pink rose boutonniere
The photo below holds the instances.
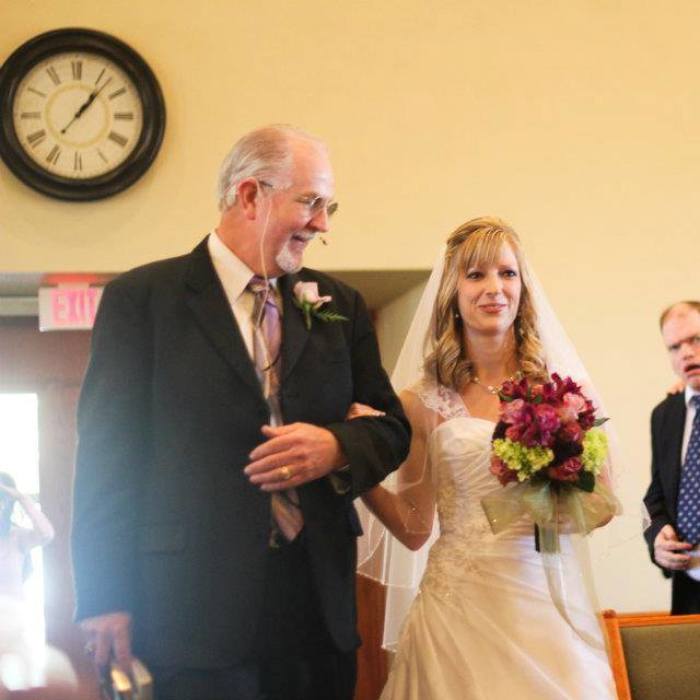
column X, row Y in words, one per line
column 307, row 298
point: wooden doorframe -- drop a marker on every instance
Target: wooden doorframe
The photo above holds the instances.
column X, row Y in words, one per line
column 51, row 365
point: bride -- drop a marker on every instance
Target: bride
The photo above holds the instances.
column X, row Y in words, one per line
column 483, row 625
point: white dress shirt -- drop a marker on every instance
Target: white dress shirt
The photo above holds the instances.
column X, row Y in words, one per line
column 235, row 275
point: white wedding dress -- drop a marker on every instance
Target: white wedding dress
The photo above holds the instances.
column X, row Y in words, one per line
column 483, row 625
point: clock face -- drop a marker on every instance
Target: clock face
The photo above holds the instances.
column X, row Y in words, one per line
column 82, row 115
column 77, row 115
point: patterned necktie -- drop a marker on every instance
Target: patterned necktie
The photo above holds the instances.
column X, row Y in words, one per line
column 689, row 490
column 267, row 340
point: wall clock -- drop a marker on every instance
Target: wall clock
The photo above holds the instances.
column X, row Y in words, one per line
column 81, row 114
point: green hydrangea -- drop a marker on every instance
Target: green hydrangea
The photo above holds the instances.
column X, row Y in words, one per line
column 525, row 461
column 595, row 450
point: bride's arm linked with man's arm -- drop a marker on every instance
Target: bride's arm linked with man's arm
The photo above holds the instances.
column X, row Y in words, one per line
column 409, row 511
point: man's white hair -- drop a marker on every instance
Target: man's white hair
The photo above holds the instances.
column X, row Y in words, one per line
column 264, row 154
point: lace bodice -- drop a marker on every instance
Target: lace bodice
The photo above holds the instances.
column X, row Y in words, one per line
column 459, row 455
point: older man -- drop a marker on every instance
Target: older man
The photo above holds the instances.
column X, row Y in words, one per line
column 214, row 528
column 673, row 498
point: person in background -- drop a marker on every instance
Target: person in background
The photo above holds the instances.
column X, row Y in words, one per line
column 16, row 542
column 28, row 668
column 673, row 497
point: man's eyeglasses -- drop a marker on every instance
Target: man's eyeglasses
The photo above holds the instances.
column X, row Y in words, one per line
column 313, row 203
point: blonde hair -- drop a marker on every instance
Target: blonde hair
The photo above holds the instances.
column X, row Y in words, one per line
column 478, row 242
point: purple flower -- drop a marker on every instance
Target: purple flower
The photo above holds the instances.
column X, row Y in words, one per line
column 565, row 386
column 514, row 412
column 587, row 417
column 548, row 423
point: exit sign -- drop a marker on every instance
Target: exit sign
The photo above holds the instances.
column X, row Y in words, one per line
column 68, row 307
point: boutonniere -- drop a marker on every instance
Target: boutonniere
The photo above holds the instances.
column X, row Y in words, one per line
column 306, row 298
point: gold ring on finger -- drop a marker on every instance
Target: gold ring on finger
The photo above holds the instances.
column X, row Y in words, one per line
column 285, row 473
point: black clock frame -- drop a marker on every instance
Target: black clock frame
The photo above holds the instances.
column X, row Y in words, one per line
column 139, row 160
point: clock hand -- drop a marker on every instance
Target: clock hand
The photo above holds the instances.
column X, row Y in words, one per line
column 86, row 104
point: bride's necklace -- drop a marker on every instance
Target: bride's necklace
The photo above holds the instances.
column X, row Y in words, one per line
column 495, row 390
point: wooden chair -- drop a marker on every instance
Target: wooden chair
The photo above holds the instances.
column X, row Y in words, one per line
column 654, row 655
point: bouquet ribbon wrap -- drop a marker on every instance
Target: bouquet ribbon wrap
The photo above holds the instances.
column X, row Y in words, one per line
column 554, row 508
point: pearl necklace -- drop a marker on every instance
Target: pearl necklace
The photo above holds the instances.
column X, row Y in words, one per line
column 495, row 390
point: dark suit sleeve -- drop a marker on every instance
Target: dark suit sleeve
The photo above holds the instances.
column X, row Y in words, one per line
column 374, row 446
column 112, row 449
column 654, row 500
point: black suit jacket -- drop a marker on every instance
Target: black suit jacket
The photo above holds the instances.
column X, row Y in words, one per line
column 166, row 525
column 661, row 499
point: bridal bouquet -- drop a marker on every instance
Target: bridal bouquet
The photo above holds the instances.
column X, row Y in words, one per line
column 548, row 444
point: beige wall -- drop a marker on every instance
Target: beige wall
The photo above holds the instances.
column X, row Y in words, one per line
column 577, row 120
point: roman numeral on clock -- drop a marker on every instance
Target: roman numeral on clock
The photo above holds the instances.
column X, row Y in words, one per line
column 30, row 115
column 117, row 138
column 36, row 137
column 54, row 155
column 116, row 93
column 77, row 161
column 53, row 75
column 77, row 69
column 125, row 116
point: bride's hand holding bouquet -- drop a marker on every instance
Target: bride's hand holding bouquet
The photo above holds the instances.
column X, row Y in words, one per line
column 549, row 451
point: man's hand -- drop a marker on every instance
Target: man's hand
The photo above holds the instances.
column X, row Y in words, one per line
column 109, row 636
column 669, row 551
column 292, row 455
column 361, row 410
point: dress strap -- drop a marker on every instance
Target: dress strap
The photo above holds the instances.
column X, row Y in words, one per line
column 446, row 402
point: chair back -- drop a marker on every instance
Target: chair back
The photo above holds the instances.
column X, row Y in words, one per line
column 654, row 656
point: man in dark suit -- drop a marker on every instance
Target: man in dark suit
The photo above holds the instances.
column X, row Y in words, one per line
column 673, row 498
column 189, row 446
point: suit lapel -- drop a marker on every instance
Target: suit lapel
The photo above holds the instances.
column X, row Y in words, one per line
column 205, row 297
column 294, row 331
column 674, row 424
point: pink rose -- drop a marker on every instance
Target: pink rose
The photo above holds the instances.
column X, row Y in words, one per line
column 572, row 405
column 566, row 471
column 500, row 470
column 307, row 293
